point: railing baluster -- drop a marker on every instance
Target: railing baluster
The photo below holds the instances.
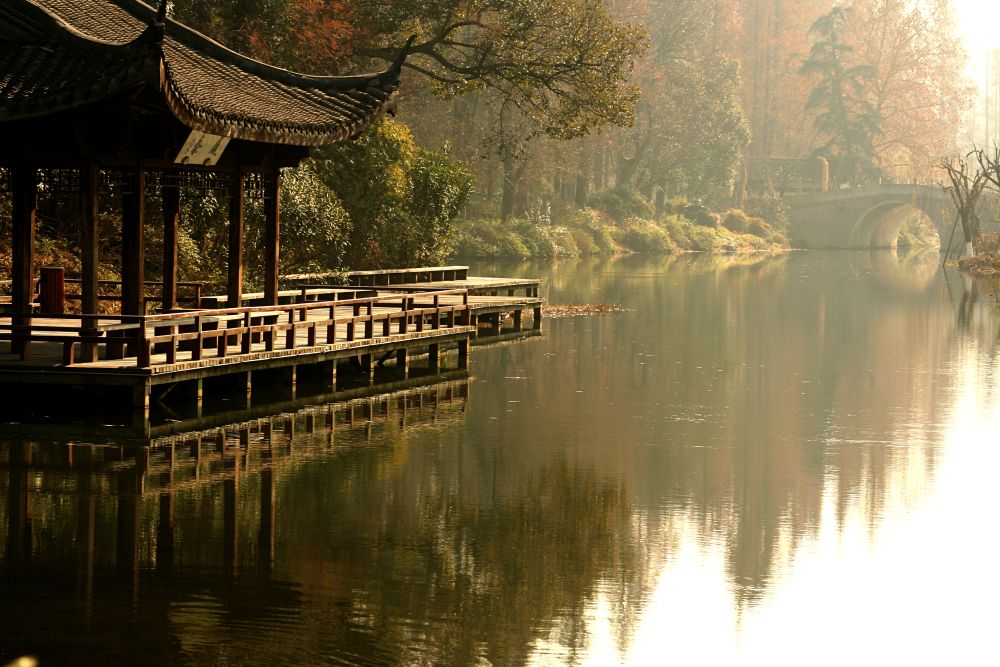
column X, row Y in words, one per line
column 290, row 334
column 247, row 341
column 199, row 341
column 331, row 328
column 144, row 352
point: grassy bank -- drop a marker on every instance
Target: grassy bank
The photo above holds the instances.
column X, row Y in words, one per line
column 683, row 228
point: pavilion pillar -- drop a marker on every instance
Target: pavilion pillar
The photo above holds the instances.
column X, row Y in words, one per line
column 272, row 233
column 24, row 200
column 171, row 196
column 133, row 247
column 89, row 253
column 234, row 283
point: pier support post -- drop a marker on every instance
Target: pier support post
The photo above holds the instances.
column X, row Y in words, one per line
column 403, row 362
column 330, row 373
column 517, row 320
column 368, row 368
column 290, row 378
column 140, row 407
column 434, row 358
column 463, row 354
column 537, row 319
column 246, row 388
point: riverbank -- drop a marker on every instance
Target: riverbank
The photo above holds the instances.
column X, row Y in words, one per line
column 590, row 232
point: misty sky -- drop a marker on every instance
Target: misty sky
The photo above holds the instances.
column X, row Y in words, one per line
column 979, row 22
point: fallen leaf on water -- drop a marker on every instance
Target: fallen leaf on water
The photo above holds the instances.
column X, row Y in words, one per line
column 576, row 310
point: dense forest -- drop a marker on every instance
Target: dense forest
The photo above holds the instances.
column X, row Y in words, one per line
column 545, row 127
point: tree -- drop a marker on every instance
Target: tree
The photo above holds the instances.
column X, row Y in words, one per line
column 967, row 185
column 690, row 128
column 845, row 120
column 916, row 88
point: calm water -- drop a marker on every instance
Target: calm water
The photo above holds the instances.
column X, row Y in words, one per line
column 780, row 461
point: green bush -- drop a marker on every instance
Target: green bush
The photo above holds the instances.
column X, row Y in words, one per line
column 771, row 209
column 700, row 215
column 401, row 199
column 597, row 227
column 677, row 227
column 642, row 235
column 623, row 202
column 585, row 244
column 736, row 221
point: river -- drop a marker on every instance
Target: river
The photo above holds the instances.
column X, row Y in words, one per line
column 778, row 460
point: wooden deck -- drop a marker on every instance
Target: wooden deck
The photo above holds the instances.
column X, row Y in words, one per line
column 150, row 355
column 315, row 328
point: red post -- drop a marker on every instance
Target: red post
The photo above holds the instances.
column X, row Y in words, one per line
column 52, row 290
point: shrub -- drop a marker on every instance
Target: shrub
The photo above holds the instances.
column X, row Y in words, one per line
column 641, row 235
column 771, row 209
column 597, row 227
column 677, row 227
column 622, row 202
column 736, row 221
column 759, row 228
column 700, row 215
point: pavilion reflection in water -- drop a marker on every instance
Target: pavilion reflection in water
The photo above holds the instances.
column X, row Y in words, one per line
column 140, row 477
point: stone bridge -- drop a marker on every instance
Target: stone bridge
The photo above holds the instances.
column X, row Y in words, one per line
column 868, row 217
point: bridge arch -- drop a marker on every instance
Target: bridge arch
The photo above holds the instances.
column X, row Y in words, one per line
column 880, row 225
column 869, row 217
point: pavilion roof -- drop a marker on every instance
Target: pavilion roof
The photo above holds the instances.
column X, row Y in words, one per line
column 61, row 54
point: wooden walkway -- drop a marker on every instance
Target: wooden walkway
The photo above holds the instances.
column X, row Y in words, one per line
column 315, row 328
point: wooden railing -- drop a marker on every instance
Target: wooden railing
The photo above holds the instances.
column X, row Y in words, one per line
column 114, row 295
column 423, row 274
column 234, row 331
column 301, row 294
column 109, row 291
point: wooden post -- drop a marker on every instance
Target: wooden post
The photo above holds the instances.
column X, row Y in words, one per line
column 536, row 319
column 133, row 247
column 140, row 407
column 368, row 367
column 463, row 354
column 330, row 373
column 52, row 290
column 89, row 255
column 403, row 362
column 272, row 234
column 434, row 357
column 171, row 196
column 234, row 283
column 24, row 195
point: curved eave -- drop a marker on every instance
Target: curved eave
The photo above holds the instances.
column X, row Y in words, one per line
column 254, row 129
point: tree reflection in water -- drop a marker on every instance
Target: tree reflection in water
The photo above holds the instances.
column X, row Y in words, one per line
column 751, row 402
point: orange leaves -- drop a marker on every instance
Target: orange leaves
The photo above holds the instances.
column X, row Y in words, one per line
column 324, row 32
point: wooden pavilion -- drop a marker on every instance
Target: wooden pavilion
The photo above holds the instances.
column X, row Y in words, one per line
column 102, row 96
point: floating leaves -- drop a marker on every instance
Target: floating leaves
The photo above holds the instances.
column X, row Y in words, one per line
column 577, row 310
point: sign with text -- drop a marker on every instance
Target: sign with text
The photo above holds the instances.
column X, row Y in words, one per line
column 203, row 149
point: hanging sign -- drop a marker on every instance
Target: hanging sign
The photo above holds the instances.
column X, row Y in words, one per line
column 203, row 149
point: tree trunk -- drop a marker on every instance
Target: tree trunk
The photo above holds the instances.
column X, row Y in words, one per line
column 507, row 199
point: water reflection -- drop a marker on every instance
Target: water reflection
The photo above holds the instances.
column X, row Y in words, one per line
column 761, row 456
